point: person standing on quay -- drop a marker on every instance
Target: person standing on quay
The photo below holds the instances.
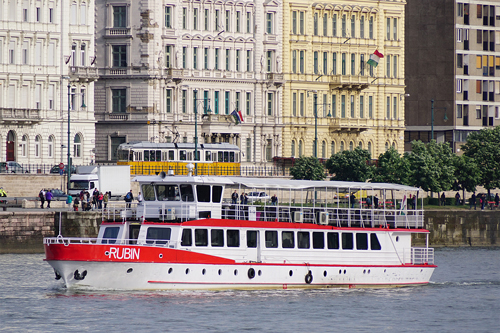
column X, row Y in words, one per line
column 41, row 195
column 472, row 201
column 48, row 196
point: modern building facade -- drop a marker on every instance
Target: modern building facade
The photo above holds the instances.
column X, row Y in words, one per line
column 46, row 69
column 331, row 95
column 453, row 54
column 174, row 71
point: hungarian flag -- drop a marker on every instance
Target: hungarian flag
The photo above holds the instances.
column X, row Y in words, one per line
column 236, row 116
column 374, row 58
column 240, row 115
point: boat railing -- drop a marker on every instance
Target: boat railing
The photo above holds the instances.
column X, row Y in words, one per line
column 420, row 256
column 110, row 241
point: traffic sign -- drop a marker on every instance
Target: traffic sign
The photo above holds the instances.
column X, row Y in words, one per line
column 61, row 166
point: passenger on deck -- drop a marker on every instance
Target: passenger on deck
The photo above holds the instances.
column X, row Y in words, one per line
column 234, row 197
column 274, row 200
column 375, row 202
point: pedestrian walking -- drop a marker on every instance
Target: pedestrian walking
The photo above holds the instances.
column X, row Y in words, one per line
column 48, row 197
column 41, row 195
column 472, row 201
column 457, row 199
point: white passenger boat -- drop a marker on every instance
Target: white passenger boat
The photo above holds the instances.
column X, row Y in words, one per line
column 189, row 234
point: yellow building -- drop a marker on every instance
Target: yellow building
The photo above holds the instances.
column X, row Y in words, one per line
column 330, row 89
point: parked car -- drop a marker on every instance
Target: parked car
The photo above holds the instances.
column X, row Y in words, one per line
column 56, row 193
column 12, row 167
column 55, row 169
column 258, row 196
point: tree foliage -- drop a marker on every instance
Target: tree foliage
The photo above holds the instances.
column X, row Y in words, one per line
column 466, row 173
column 350, row 165
column 484, row 147
column 432, row 166
column 309, row 168
column 392, row 168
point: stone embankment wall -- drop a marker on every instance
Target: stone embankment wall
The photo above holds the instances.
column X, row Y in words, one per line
column 23, row 232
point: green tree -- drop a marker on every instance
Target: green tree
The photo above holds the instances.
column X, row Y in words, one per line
column 309, row 168
column 350, row 165
column 431, row 166
column 392, row 168
column 467, row 175
column 484, row 147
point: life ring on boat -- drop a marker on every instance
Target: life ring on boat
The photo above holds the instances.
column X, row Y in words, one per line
column 309, row 277
column 251, row 273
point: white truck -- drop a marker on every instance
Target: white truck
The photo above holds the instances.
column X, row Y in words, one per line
column 106, row 178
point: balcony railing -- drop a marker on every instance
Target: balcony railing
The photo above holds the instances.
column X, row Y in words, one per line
column 24, row 116
column 89, row 73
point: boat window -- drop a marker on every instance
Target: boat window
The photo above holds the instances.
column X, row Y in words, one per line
column 182, row 155
column 203, row 193
column 216, row 193
column 146, row 155
column 333, row 240
column 110, row 235
column 231, row 156
column 226, row 156
column 251, row 238
column 187, row 237
column 271, row 239
column 201, row 237
column 158, row 155
column 158, row 235
column 207, row 156
column 233, row 238
column 374, row 243
column 303, row 239
column 217, row 237
column 287, row 240
column 187, row 192
column 347, row 241
column 168, row 192
column 318, row 240
column 171, row 156
column 148, row 192
column 361, row 241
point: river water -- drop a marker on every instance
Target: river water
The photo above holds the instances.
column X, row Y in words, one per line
column 463, row 296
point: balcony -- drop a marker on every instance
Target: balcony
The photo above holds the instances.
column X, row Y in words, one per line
column 209, row 118
column 13, row 116
column 174, row 74
column 118, row 116
column 118, row 32
column 348, row 125
column 275, row 78
column 83, row 73
column 349, row 82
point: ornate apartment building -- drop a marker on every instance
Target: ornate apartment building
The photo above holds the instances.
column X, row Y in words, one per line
column 455, row 62
column 46, row 46
column 331, row 95
column 163, row 62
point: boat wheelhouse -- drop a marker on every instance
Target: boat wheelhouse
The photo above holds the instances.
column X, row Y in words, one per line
column 192, row 232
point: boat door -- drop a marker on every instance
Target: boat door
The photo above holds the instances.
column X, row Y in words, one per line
column 133, row 233
column 253, row 245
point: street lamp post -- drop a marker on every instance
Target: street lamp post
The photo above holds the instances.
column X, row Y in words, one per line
column 316, row 125
column 196, row 157
column 445, row 118
column 69, row 133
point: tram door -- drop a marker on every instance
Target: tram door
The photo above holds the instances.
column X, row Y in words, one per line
column 253, row 245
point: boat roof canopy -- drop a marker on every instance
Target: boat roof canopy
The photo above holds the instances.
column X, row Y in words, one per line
column 274, row 183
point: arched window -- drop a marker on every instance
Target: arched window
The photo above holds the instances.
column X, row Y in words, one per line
column 24, row 146
column 332, row 148
column 300, row 148
column 50, row 146
column 386, row 146
column 370, row 148
column 351, row 146
column 323, row 149
column 342, row 146
column 394, row 145
column 82, row 50
column 38, row 142
column 360, row 144
column 77, row 146
column 83, row 16
column 293, row 148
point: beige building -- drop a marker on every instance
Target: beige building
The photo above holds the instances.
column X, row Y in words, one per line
column 330, row 92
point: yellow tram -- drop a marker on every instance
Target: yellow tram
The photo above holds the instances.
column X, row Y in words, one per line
column 149, row 158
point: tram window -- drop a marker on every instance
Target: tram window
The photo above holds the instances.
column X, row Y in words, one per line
column 171, row 156
column 187, row 193
column 318, row 240
column 271, row 239
column 182, row 155
column 374, row 243
column 146, row 155
column 233, row 238
column 152, row 156
column 187, row 237
column 231, row 156
column 251, row 238
column 214, row 157
column 207, row 156
column 347, row 241
column 287, row 240
column 220, row 156
column 333, row 240
column 203, row 193
column 217, row 237
column 361, row 241
column 226, row 156
column 158, row 235
column 303, row 240
column 110, row 235
column 168, row 192
column 137, row 156
column 201, row 237
column 164, row 156
column 158, row 155
column 148, row 192
column 190, row 156
column 216, row 193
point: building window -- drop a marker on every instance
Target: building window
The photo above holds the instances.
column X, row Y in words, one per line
column 395, row 66
column 342, row 106
column 237, row 101
column 301, row 26
column 334, row 63
column 238, row 19
column 323, row 149
column 184, row 57
column 395, row 107
column 205, row 58
column 332, row 148
column 24, row 146
column 362, row 64
column 294, row 61
column 351, row 146
column 269, row 104
column 226, row 100
column 77, row 146
column 301, row 145
column 184, row 101
column 217, row 20
column 353, row 64
column 344, row 32
column 325, row 25
column 248, row 106
column 325, row 104
column 195, row 58
column 168, row 17
column 370, row 28
column 302, row 104
column 294, row 22
column 362, row 27
column 388, row 68
column 293, row 148
column 119, row 100
column 459, row 86
column 249, row 149
column 353, row 26
column 294, row 104
column 228, row 28
column 249, row 22
column 269, row 150
column 216, row 102
column 168, row 100
column 342, row 146
column 301, row 62
column 249, row 60
column 315, row 24
column 325, row 63
column 50, row 147
column 269, row 61
column 395, row 29
column 119, row 56
column 206, row 107
column 237, row 60
column 184, row 18
column 37, row 146
column 334, row 106
column 361, row 107
column 168, row 56
column 353, row 113
column 119, row 16
column 269, row 23
column 195, row 99
column 459, row 110
column 315, row 62
column 388, row 113
column 343, row 64
column 195, row 18
column 216, row 59
column 227, row 59
column 388, row 36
